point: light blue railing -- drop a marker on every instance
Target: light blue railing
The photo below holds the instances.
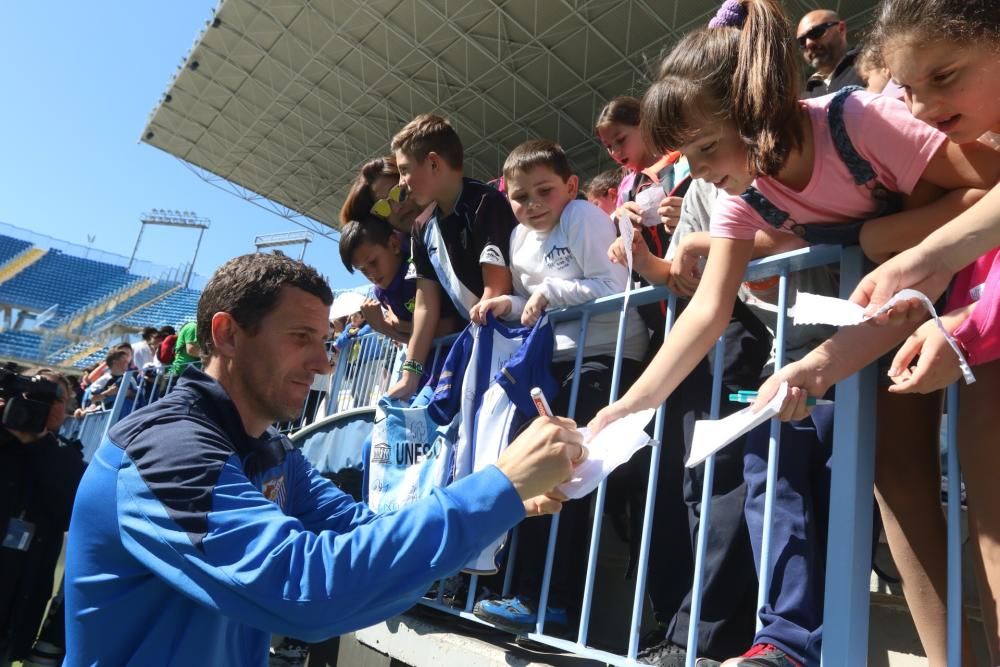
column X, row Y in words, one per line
column 848, row 564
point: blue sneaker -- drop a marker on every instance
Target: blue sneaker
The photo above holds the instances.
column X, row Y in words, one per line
column 520, row 614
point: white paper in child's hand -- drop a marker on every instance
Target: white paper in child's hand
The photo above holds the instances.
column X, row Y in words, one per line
column 817, row 309
column 711, row 435
column 613, row 446
column 627, row 233
column 649, row 202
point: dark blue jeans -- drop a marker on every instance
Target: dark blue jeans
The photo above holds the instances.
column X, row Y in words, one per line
column 792, row 616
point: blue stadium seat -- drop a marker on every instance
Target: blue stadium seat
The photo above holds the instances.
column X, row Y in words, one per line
column 71, row 282
column 29, row 345
column 175, row 309
column 10, row 247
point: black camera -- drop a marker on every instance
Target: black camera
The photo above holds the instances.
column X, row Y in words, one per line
column 27, row 401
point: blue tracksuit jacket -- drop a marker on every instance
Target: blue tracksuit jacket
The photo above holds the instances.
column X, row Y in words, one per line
column 191, row 542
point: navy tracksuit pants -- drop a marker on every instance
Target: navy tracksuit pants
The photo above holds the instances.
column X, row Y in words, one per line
column 792, row 616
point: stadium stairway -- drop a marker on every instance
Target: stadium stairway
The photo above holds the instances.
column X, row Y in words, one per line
column 20, row 262
column 77, row 321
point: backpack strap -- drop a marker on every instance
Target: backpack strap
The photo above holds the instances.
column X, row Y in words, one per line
column 772, row 215
column 861, row 170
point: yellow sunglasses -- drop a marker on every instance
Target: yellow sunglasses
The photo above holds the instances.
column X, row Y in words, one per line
column 383, row 208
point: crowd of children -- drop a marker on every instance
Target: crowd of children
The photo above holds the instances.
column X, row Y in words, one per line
column 724, row 159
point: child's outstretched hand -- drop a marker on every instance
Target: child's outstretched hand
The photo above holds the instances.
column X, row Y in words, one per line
column 533, row 309
column 804, row 380
column 936, row 364
column 498, row 305
column 620, row 408
column 915, row 268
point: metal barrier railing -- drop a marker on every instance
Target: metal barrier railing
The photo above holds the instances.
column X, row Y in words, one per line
column 362, row 381
column 848, row 563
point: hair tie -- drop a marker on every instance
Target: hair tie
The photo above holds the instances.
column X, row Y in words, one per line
column 732, row 13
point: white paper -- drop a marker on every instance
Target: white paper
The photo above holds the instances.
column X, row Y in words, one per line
column 816, row 309
column 711, row 435
column 627, row 232
column 819, row 309
column 610, row 448
column 649, row 203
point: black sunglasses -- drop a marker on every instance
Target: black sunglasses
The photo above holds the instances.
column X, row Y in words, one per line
column 815, row 32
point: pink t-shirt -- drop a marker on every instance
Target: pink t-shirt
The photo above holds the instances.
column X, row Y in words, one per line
column 897, row 145
column 980, row 332
column 624, row 187
column 979, row 282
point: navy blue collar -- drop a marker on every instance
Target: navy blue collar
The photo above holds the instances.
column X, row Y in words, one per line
column 218, row 402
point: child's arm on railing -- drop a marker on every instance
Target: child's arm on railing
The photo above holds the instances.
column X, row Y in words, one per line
column 882, row 238
column 694, row 334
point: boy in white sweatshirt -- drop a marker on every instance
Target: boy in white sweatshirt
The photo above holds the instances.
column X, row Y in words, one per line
column 558, row 258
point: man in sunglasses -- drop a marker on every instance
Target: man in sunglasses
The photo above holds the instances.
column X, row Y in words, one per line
column 822, row 37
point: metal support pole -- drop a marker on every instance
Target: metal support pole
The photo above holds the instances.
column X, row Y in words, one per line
column 187, row 277
column 848, row 560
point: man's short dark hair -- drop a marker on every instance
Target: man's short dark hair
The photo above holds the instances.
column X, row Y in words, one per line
column 114, row 354
column 370, row 229
column 149, row 333
column 167, row 330
column 247, row 287
column 428, row 133
column 537, row 153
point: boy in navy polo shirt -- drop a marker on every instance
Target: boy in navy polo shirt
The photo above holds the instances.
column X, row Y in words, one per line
column 460, row 242
column 381, row 254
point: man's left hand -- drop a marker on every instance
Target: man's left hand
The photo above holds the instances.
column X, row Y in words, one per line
column 547, row 503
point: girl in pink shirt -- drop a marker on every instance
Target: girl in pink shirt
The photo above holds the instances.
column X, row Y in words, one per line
column 945, row 55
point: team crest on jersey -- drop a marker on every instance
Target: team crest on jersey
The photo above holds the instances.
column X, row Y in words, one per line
column 274, row 490
column 558, row 258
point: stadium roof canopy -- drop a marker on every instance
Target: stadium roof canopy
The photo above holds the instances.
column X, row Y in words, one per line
column 285, row 99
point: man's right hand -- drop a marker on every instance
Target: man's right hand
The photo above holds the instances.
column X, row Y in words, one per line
column 543, row 456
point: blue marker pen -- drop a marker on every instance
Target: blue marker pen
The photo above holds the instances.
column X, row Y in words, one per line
column 745, row 396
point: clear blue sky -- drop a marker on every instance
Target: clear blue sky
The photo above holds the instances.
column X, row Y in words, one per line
column 78, row 82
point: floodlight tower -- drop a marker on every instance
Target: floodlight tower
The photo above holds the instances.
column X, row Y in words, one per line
column 171, row 218
column 283, row 239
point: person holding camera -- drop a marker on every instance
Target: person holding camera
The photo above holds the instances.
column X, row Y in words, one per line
column 38, row 479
